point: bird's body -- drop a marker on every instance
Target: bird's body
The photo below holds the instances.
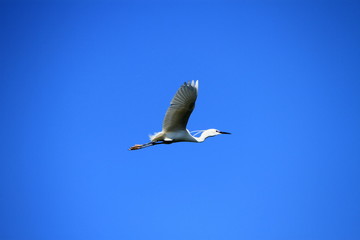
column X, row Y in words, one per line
column 176, row 118
column 174, row 136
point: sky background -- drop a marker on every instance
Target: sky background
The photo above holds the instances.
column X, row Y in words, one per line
column 81, row 82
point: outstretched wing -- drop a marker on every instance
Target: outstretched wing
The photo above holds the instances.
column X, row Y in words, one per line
column 181, row 107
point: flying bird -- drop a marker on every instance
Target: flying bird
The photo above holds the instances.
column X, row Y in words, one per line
column 176, row 118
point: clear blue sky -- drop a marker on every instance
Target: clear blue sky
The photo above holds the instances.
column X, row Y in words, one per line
column 82, row 82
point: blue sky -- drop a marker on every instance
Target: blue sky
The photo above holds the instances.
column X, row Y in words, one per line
column 81, row 82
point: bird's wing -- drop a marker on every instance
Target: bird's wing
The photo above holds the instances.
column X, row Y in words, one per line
column 181, row 107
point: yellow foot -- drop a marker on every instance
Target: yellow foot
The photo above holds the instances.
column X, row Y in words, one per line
column 135, row 147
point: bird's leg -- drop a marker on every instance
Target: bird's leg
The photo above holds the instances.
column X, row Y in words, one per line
column 140, row 146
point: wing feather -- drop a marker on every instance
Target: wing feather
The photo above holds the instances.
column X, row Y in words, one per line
column 181, row 107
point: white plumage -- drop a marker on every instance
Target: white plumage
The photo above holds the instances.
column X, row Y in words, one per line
column 177, row 117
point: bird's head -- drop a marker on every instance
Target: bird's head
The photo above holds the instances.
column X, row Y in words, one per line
column 213, row 132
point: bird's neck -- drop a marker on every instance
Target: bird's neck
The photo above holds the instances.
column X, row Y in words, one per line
column 203, row 136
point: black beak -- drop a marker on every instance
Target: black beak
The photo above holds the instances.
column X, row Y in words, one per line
column 224, row 132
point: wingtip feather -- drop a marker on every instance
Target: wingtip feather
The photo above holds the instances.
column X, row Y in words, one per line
column 192, row 83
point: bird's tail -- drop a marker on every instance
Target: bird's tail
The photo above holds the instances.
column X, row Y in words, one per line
column 158, row 136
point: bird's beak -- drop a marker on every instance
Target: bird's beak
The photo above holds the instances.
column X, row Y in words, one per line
column 224, row 132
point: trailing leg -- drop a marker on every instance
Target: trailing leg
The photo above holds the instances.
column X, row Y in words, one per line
column 140, row 146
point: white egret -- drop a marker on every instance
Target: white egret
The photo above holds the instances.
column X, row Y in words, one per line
column 176, row 118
